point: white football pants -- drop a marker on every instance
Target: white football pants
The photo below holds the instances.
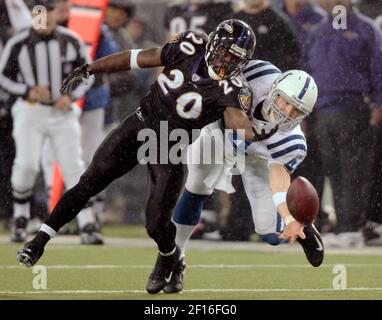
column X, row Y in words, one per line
column 204, row 178
column 33, row 125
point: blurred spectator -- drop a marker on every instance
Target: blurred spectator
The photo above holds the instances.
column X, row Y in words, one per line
column 136, row 32
column 63, row 7
column 126, row 90
column 98, row 112
column 347, row 66
column 136, row 181
column 304, row 16
column 14, row 16
column 373, row 228
column 275, row 40
column 197, row 15
column 118, row 14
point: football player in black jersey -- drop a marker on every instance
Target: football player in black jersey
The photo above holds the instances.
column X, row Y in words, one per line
column 198, row 85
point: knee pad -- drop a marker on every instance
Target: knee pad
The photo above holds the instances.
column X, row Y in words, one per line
column 272, row 239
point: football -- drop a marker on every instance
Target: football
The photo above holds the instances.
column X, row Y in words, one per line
column 302, row 200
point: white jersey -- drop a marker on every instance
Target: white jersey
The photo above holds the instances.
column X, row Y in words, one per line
column 285, row 148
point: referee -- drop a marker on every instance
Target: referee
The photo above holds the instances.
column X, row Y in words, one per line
column 33, row 64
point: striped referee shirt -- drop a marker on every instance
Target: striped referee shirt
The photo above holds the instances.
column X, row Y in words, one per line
column 30, row 59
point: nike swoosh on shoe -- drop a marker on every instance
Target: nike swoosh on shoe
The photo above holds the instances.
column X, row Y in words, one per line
column 320, row 247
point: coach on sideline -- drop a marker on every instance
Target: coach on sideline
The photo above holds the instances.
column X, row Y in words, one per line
column 33, row 64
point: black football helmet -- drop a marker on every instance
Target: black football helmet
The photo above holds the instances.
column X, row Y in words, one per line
column 229, row 48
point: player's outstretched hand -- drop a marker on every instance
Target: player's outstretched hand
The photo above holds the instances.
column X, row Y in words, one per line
column 75, row 78
column 292, row 231
column 264, row 133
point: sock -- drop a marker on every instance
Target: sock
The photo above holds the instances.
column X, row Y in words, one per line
column 183, row 234
column 272, row 239
column 186, row 216
column 85, row 217
column 21, row 210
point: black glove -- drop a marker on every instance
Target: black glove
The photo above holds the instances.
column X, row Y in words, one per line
column 74, row 79
column 264, row 134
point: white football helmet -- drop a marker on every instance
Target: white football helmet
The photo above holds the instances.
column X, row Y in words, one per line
column 297, row 88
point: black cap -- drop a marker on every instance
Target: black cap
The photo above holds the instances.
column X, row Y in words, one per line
column 48, row 4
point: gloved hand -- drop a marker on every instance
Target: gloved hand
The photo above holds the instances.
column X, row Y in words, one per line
column 74, row 79
column 264, row 133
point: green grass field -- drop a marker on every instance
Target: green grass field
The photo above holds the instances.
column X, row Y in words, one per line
column 121, row 271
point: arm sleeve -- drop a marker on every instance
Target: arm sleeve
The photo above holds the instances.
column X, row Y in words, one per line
column 8, row 70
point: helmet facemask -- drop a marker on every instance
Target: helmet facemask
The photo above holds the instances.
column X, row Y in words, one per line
column 276, row 116
column 229, row 48
column 225, row 61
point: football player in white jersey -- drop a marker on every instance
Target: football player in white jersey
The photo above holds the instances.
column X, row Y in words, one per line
column 281, row 100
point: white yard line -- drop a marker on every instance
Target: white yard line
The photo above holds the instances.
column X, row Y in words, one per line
column 199, row 266
column 185, row 291
column 73, row 242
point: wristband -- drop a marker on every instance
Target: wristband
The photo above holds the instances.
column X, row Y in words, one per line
column 134, row 58
column 288, row 220
column 278, row 198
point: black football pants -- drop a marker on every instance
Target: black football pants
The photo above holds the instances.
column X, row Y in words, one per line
column 116, row 156
column 345, row 150
column 7, row 155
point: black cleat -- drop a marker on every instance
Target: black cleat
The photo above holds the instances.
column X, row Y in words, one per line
column 163, row 271
column 30, row 254
column 176, row 283
column 18, row 230
column 312, row 245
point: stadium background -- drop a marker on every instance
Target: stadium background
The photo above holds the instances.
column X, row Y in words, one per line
column 231, row 270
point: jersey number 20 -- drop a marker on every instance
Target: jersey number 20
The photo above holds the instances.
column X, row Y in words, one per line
column 188, row 105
